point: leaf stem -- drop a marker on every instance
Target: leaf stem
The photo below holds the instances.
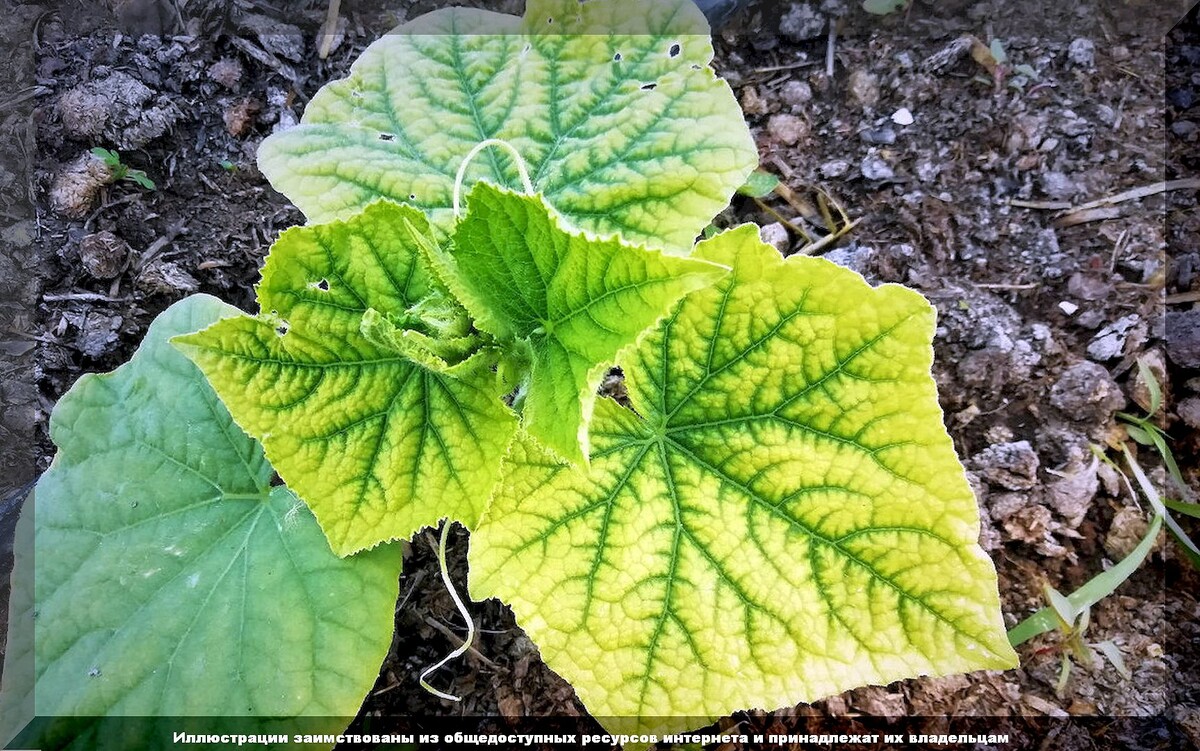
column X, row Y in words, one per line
column 441, row 556
column 462, row 170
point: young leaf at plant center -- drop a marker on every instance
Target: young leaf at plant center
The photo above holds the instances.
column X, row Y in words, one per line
column 573, row 301
column 171, row 578
column 787, row 518
column 376, row 444
column 611, row 103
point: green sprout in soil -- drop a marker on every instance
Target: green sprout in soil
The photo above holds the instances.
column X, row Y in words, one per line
column 1145, row 431
column 122, row 171
column 1071, row 614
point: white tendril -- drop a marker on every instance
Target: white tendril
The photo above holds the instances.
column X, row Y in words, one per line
column 441, row 556
column 462, row 169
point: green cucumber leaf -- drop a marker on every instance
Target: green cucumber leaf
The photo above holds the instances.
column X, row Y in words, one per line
column 376, row 444
column 612, row 105
column 573, row 300
column 785, row 520
column 171, row 578
column 16, row 681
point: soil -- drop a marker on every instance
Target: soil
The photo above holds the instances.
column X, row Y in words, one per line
column 960, row 171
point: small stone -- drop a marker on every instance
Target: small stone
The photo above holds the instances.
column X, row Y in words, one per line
column 1074, row 126
column 787, row 129
column 834, row 168
column 776, row 235
column 1106, row 115
column 228, row 72
column 1184, row 128
column 1189, row 411
column 76, row 187
column 1003, row 505
column 103, row 254
column 1009, row 465
column 1088, row 287
column 802, row 22
column 902, row 116
column 795, row 94
column 166, row 278
column 1180, row 99
column 1071, row 495
column 752, row 103
column 879, row 136
column 88, row 109
column 98, row 333
column 119, row 109
column 1183, row 338
column 1058, row 186
column 1085, row 392
column 1127, row 530
column 873, row 167
column 279, row 99
column 853, row 256
column 864, row 88
column 1109, row 342
column 928, row 171
column 239, row 117
column 1082, row 53
column 1031, row 524
column 1068, row 307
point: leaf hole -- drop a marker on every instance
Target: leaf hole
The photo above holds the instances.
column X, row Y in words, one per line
column 550, row 20
column 386, row 137
column 617, row 58
column 322, row 285
column 675, row 50
column 412, row 196
column 649, row 86
column 282, row 328
column 527, row 48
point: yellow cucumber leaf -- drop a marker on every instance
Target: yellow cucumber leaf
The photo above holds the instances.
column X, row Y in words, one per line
column 785, row 520
column 611, row 103
column 376, row 444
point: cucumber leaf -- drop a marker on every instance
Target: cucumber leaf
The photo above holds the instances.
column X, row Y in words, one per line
column 170, row 577
column 783, row 518
column 612, row 105
column 376, row 444
column 571, row 300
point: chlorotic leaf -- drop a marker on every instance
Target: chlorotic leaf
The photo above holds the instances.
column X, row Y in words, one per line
column 786, row 520
column 377, row 445
column 171, row 578
column 611, row 103
column 576, row 300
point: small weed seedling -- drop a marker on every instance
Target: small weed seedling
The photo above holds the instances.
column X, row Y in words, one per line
column 1144, row 431
column 122, row 171
column 1071, row 614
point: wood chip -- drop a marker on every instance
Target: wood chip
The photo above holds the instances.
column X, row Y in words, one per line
column 1083, row 216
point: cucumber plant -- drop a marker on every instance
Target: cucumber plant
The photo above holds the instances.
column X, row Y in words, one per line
column 500, row 209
